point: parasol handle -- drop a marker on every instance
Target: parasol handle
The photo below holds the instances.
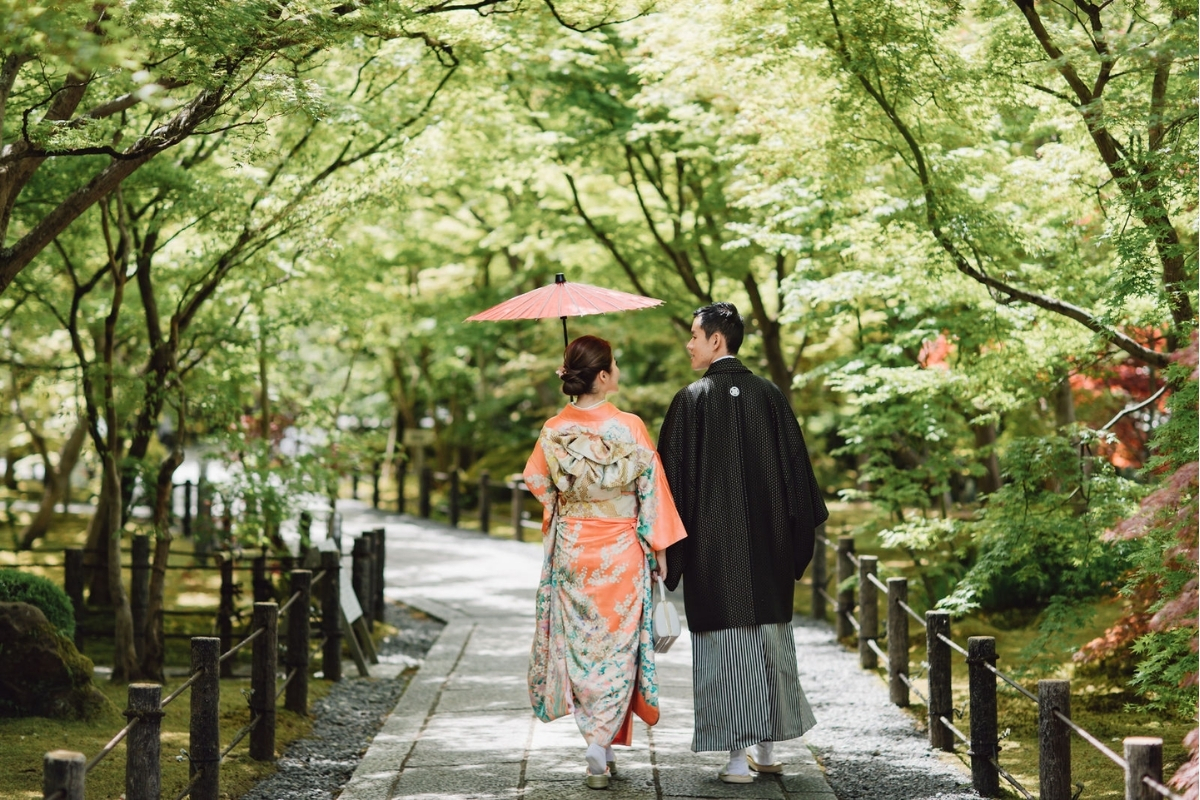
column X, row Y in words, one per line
column 564, row 319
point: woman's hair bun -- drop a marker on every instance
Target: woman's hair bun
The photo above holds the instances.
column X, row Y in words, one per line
column 583, row 360
column 574, row 383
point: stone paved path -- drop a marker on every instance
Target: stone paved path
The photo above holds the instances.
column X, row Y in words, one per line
column 463, row 730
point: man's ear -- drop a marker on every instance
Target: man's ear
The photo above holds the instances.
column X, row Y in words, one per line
column 720, row 343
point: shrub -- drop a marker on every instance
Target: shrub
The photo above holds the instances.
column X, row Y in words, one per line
column 21, row 587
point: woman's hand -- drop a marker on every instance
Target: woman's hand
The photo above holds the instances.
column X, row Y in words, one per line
column 661, row 570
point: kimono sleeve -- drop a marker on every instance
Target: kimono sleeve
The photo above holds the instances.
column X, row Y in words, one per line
column 659, row 524
column 537, row 478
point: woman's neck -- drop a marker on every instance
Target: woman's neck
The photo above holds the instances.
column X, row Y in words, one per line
column 586, row 401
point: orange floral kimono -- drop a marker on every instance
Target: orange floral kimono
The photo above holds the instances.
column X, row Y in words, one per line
column 607, row 509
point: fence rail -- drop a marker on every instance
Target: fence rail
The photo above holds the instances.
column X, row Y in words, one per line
column 1142, row 763
column 451, row 482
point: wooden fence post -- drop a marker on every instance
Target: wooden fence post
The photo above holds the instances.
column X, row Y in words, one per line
column 1054, row 740
column 1143, row 755
column 262, row 682
column 296, row 656
column 845, row 596
column 379, row 561
column 361, row 576
column 187, row 508
column 263, row 590
column 63, row 771
column 897, row 641
column 819, row 574
column 225, row 612
column 73, row 585
column 985, row 739
column 204, row 742
column 868, row 612
column 517, row 503
column 401, row 473
column 424, row 486
column 139, row 594
column 375, row 485
column 941, row 704
column 143, row 767
column 485, row 502
column 455, row 498
column 331, row 616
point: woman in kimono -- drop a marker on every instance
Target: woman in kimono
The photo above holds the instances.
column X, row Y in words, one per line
column 609, row 517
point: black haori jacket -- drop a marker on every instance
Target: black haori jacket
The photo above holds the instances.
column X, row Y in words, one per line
column 743, row 483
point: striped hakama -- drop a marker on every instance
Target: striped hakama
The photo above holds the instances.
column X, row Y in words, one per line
column 746, row 688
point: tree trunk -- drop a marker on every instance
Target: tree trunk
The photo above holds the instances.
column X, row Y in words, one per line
column 152, row 651
column 1064, row 404
column 985, row 438
column 56, row 485
column 125, row 662
column 95, row 554
column 772, row 340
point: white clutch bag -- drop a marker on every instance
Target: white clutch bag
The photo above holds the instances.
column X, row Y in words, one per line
column 665, row 620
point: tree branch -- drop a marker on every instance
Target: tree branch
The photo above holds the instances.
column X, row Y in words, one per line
column 605, row 239
column 957, row 258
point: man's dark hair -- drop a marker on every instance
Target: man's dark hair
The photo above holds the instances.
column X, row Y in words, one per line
column 722, row 318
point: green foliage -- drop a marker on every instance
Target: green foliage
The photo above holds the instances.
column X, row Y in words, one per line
column 1038, row 539
column 1165, row 670
column 22, row 587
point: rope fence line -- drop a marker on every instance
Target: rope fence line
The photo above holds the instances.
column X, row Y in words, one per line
column 242, row 734
column 950, row 727
column 190, row 785
column 1092, row 740
column 108, row 748
column 284, row 685
column 908, row 609
column 233, row 650
column 1013, row 781
column 1158, row 787
column 288, row 605
column 951, row 644
column 195, row 676
column 912, row 687
column 992, row 669
column 859, row 594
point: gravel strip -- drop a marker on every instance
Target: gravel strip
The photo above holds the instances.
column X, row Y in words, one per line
column 347, row 719
column 870, row 749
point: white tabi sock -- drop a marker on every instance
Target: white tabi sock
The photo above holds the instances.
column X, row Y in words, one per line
column 595, row 759
column 737, row 762
column 762, row 753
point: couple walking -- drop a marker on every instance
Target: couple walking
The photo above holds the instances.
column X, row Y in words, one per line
column 728, row 502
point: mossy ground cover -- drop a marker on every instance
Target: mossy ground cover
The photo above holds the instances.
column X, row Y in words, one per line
column 23, row 742
column 1102, row 704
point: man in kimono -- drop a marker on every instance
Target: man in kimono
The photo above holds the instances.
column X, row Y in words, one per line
column 741, row 478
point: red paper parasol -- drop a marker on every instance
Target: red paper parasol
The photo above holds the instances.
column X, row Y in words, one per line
column 562, row 299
